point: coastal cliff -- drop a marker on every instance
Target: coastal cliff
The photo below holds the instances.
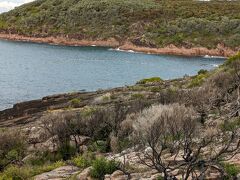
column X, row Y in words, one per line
column 190, row 28
column 171, row 49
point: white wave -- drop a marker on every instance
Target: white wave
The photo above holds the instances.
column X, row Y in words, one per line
column 215, row 65
column 131, row 51
column 207, row 56
column 118, row 49
column 121, row 50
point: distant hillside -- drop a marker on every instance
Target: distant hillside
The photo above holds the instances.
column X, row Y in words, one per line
column 152, row 23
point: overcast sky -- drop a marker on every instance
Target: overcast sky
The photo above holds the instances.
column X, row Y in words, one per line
column 6, row 5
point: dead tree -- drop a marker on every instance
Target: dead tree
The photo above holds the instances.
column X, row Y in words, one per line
column 172, row 141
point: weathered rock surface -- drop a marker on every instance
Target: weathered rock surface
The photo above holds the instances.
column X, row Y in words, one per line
column 59, row 173
column 118, row 175
column 221, row 50
column 238, row 176
column 22, row 113
column 85, row 174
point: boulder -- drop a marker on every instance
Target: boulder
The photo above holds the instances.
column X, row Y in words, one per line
column 59, row 173
column 51, row 145
column 79, row 140
column 28, row 158
column 37, row 135
column 238, row 176
column 107, row 177
column 85, row 174
column 118, row 175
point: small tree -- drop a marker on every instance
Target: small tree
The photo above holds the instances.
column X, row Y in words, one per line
column 60, row 129
column 12, row 148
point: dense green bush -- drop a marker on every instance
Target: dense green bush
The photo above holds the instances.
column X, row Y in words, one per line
column 144, row 22
column 231, row 170
column 101, row 166
column 202, row 71
column 85, row 160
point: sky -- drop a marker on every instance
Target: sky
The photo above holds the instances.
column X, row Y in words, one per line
column 6, row 5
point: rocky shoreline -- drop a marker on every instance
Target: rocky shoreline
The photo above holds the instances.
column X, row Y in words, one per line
column 221, row 50
column 121, row 106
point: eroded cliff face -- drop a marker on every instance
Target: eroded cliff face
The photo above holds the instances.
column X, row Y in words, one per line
column 61, row 40
column 221, row 50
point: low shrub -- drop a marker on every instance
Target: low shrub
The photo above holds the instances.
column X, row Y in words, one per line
column 232, row 170
column 75, row 102
column 15, row 172
column 41, row 158
column 27, row 171
column 88, row 111
column 156, row 89
column 198, row 80
column 137, row 96
column 232, row 59
column 12, row 148
column 230, row 125
column 150, row 80
column 202, row 71
column 66, row 151
column 84, row 160
column 100, row 146
column 101, row 166
column 48, row 167
column 124, row 143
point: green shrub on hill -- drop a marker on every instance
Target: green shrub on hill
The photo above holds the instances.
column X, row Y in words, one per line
column 232, row 59
column 143, row 22
column 150, row 80
column 198, row 80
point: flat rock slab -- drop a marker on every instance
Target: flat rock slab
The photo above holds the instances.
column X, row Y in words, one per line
column 59, row 173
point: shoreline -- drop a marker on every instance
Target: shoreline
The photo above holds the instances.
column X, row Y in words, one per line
column 220, row 51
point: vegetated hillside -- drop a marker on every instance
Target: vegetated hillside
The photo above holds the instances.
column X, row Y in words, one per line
column 152, row 23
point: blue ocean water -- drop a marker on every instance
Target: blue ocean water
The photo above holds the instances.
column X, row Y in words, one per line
column 30, row 70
